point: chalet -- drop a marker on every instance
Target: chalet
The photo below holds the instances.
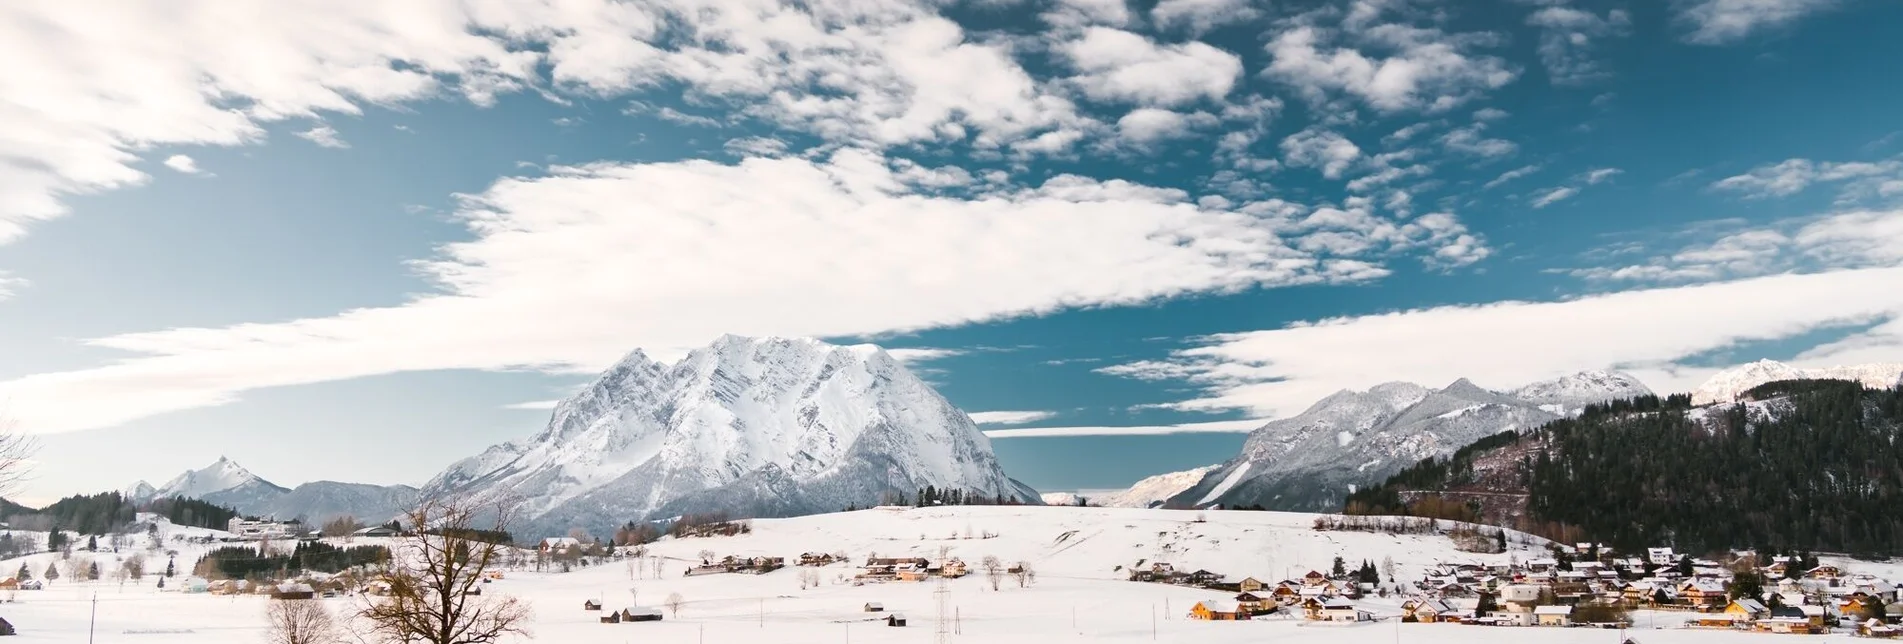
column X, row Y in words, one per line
column 767, row 564
column 1425, row 610
column 1784, row 620
column 1702, row 593
column 1719, row 620
column 1824, row 572
column 1250, row 585
column 1342, row 610
column 1875, row 628
column 293, row 591
column 953, row 568
column 874, row 607
column 895, row 620
column 1747, row 610
column 1217, row 610
column 1161, row 569
column 640, row 614
column 611, row 618
column 1314, row 578
column 1253, row 603
column 816, row 559
column 1552, row 616
column 557, row 545
column 591, row 605
column 1286, row 593
column 9, row 584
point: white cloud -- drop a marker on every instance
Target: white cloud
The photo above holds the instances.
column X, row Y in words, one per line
column 1490, row 114
column 1597, row 176
column 755, row 146
column 533, row 405
column 1505, row 344
column 1856, row 239
column 9, row 284
column 1199, row 16
column 1717, row 22
column 1150, row 125
column 1472, row 141
column 1510, row 175
column 1078, row 14
column 1212, row 427
column 1326, row 150
column 182, row 163
column 1010, row 417
column 1552, row 196
column 922, row 354
column 1567, row 39
column 1119, row 66
column 665, row 256
column 1861, row 180
column 1391, row 66
column 107, row 80
column 324, row 136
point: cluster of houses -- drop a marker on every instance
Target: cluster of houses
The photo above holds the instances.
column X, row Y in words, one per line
column 255, row 529
column 1545, row 592
column 629, row 614
column 883, row 569
column 1315, row 594
column 741, row 565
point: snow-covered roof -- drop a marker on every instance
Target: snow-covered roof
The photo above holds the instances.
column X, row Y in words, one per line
column 641, row 610
column 1552, row 610
column 1750, row 605
column 1219, row 606
column 1337, row 602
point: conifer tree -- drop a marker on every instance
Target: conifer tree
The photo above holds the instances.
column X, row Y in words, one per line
column 24, row 574
column 52, row 571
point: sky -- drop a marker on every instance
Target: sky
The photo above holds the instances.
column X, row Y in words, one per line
column 361, row 240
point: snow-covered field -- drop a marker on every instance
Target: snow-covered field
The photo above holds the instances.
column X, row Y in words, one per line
column 1078, row 596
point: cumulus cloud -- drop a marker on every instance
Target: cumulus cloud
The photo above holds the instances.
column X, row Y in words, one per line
column 324, row 136
column 567, row 271
column 1650, row 333
column 1860, row 180
column 1150, row 125
column 1472, row 141
column 1010, row 417
column 1392, row 66
column 1078, row 14
column 1567, row 40
column 1322, row 149
column 183, row 164
column 1199, row 16
column 1119, row 66
column 1718, row 22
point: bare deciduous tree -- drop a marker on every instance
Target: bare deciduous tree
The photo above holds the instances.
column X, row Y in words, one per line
column 341, row 526
column 1023, row 574
column 435, row 582
column 994, row 570
column 674, row 601
column 134, row 567
column 299, row 621
column 16, row 448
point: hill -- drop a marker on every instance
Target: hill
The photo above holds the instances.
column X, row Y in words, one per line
column 1812, row 464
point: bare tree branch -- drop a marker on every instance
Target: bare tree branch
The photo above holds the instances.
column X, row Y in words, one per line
column 435, row 582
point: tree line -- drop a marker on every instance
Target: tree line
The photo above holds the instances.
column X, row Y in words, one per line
column 110, row 512
column 245, row 562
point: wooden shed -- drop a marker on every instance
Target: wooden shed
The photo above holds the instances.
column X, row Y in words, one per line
column 591, row 605
column 895, row 619
column 875, row 607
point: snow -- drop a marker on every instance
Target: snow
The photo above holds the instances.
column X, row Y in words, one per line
column 1727, row 385
column 1227, row 482
column 1153, row 490
column 747, row 426
column 1078, row 596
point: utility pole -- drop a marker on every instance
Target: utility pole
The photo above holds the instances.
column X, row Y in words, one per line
column 942, row 630
column 94, row 620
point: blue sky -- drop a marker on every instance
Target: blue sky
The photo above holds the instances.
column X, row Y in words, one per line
column 349, row 242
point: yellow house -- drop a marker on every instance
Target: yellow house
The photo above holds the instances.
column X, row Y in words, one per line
column 1747, row 609
column 1217, row 610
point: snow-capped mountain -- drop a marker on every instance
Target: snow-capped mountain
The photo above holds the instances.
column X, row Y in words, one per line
column 225, row 483
column 1059, row 498
column 1354, row 438
column 750, row 427
column 140, row 491
column 1152, row 491
column 1725, row 386
column 229, row 484
column 1567, row 395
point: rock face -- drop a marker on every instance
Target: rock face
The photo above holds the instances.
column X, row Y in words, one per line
column 1308, row 462
column 746, row 426
column 1725, row 386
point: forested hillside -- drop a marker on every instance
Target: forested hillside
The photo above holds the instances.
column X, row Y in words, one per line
column 110, row 511
column 1813, row 464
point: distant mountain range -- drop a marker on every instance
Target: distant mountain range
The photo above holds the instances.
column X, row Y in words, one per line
column 1307, row 462
column 229, row 484
column 1727, row 385
column 745, row 426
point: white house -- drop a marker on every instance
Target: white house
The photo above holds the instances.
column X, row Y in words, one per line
column 1342, row 610
column 258, row 529
column 1552, row 615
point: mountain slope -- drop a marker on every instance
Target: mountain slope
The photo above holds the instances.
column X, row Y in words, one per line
column 1725, row 386
column 750, row 427
column 229, row 484
column 1807, row 464
column 318, row 501
column 1349, row 439
column 225, row 483
column 1152, row 491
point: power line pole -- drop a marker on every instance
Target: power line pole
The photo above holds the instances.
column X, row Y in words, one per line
column 942, row 634
column 94, row 620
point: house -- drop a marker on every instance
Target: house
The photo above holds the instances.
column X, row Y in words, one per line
column 1204, row 578
column 895, row 619
column 874, row 607
column 1314, row 578
column 611, row 618
column 1342, row 610
column 1874, row 627
column 557, row 545
column 953, row 568
column 1703, row 593
column 1252, row 602
column 640, row 614
column 293, row 591
column 1661, row 556
column 261, row 529
column 9, row 584
column 1552, row 616
column 193, row 585
column 34, row 584
column 591, row 605
column 376, row 531
column 1747, row 610
column 1786, row 619
column 1719, row 620
column 1250, row 585
column 1425, row 610
column 1217, row 610
column 1824, row 572
column 816, row 559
